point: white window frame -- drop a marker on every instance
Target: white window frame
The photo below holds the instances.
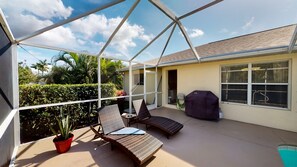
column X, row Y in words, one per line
column 235, row 83
column 250, row 84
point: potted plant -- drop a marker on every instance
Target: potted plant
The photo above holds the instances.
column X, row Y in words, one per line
column 64, row 134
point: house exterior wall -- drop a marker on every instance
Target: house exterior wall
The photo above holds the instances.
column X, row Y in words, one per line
column 206, row 76
column 150, row 86
column 8, row 84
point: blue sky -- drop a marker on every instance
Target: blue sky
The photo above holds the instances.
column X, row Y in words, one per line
column 227, row 19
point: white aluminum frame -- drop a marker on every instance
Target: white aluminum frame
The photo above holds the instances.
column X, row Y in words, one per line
column 156, row 87
column 157, row 3
column 166, row 44
column 162, row 32
column 118, row 27
column 172, row 16
column 6, row 27
column 24, row 40
column 144, row 83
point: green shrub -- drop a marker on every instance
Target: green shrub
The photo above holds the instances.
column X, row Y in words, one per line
column 35, row 122
column 45, row 94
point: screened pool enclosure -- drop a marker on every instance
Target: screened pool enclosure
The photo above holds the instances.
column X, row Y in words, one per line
column 138, row 33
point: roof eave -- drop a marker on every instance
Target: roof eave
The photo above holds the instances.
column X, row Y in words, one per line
column 235, row 55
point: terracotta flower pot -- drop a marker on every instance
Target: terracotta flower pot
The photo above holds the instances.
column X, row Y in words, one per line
column 63, row 146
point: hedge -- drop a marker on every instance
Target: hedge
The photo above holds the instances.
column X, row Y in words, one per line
column 35, row 123
column 46, row 94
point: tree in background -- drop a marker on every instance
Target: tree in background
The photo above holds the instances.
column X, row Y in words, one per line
column 77, row 68
column 26, row 75
column 43, row 66
column 110, row 72
column 58, row 75
column 80, row 68
column 36, row 67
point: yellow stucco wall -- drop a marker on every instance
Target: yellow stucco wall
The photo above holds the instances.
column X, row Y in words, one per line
column 206, row 76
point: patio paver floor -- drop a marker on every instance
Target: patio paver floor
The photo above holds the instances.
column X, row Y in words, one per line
column 200, row 143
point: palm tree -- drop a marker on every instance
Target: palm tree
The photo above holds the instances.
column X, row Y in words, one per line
column 43, row 66
column 110, row 73
column 36, row 67
column 80, row 68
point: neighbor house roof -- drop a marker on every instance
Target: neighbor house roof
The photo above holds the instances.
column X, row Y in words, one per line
column 274, row 40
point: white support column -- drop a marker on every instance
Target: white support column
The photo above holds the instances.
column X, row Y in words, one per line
column 249, row 87
column 99, row 81
column 15, row 92
column 130, row 87
column 156, row 87
column 144, row 83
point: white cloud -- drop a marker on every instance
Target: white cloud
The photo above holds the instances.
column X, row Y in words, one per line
column 146, row 38
column 125, row 38
column 81, row 42
column 90, row 26
column 248, row 24
column 193, row 33
column 58, row 37
column 22, row 25
column 25, row 17
column 42, row 8
column 196, row 33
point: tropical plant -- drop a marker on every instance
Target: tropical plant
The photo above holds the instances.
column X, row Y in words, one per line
column 110, row 72
column 78, row 68
column 59, row 75
column 65, row 126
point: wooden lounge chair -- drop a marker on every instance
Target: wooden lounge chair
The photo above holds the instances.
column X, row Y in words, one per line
column 168, row 126
column 139, row 147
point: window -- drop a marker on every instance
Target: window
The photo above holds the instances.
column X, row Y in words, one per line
column 234, row 83
column 263, row 84
column 138, row 79
column 270, row 84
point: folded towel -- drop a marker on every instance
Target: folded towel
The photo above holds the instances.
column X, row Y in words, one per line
column 128, row 131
